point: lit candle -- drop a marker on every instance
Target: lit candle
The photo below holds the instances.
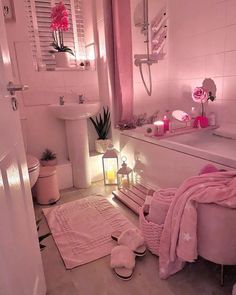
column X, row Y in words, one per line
column 125, row 182
column 111, row 176
column 159, row 131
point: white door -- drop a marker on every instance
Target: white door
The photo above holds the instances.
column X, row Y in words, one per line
column 21, row 271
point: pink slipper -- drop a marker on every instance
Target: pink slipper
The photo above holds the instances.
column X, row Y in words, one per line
column 132, row 239
column 123, row 262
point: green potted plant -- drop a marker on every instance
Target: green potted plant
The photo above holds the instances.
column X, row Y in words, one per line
column 48, row 158
column 102, row 124
column 41, row 238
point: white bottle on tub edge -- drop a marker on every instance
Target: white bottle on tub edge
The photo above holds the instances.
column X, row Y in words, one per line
column 193, row 115
column 212, row 119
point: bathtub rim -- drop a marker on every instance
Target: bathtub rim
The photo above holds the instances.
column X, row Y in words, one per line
column 183, row 148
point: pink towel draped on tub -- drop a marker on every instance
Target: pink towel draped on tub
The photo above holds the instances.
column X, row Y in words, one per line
column 179, row 237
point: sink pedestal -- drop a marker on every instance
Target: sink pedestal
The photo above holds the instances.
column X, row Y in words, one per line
column 75, row 116
column 78, row 149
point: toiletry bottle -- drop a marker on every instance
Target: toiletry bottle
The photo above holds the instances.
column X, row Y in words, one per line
column 166, row 121
column 199, row 124
column 194, row 115
column 212, row 119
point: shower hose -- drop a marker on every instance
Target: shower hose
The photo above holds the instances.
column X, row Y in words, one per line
column 148, row 89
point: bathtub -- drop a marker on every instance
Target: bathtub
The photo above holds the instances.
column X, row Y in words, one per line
column 167, row 161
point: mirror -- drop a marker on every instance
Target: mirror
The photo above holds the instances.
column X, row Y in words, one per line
column 181, row 116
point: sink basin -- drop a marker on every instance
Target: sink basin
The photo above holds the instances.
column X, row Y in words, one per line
column 74, row 111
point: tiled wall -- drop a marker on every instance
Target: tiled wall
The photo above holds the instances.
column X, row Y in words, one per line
column 45, row 88
column 202, row 44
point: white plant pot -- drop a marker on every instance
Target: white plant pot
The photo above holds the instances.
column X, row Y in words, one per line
column 49, row 162
column 62, row 59
column 101, row 145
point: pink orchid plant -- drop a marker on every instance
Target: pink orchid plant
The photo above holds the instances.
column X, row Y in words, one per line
column 60, row 24
column 201, row 95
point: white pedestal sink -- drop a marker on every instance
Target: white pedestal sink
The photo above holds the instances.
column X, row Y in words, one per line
column 75, row 116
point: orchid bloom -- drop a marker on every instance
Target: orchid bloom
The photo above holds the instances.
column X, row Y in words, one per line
column 200, row 95
column 60, row 17
column 60, row 23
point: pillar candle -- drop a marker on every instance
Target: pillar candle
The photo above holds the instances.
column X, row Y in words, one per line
column 159, row 128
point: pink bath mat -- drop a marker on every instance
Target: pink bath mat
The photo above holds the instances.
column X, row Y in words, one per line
column 82, row 229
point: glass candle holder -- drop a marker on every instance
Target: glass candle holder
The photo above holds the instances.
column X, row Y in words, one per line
column 159, row 128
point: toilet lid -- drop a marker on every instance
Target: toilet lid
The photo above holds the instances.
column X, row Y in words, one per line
column 32, row 162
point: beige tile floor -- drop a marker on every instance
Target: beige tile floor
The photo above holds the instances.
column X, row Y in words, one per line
column 96, row 278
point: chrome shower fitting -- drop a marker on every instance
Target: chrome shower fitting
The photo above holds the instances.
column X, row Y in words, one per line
column 159, row 30
column 61, row 100
column 144, row 59
column 141, row 59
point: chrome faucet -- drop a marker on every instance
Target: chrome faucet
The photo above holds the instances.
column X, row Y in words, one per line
column 81, row 98
column 61, row 100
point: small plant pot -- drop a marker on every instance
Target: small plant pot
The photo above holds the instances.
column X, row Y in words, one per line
column 62, row 59
column 101, row 145
column 149, row 129
column 49, row 162
column 203, row 121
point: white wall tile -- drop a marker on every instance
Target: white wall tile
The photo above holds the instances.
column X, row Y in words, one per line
column 229, row 88
column 214, row 65
column 231, row 12
column 202, row 44
column 230, row 63
column 230, row 38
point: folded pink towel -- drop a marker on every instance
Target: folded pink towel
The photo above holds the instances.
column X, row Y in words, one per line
column 160, row 205
column 122, row 256
column 157, row 212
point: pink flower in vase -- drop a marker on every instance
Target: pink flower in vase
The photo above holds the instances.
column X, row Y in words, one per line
column 60, row 17
column 200, row 95
column 60, row 24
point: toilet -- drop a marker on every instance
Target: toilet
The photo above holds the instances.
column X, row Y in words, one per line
column 32, row 162
column 33, row 169
column 46, row 189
